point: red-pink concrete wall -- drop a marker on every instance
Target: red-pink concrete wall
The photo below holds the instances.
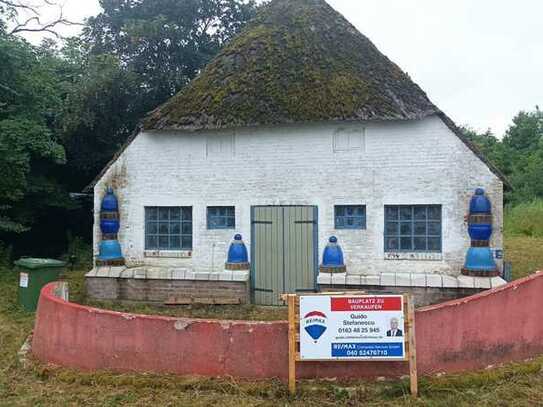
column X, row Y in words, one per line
column 496, row 326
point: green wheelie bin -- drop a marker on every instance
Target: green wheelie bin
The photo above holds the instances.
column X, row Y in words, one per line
column 33, row 275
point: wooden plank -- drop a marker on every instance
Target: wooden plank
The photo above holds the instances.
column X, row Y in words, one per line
column 413, row 376
column 292, row 316
column 355, row 360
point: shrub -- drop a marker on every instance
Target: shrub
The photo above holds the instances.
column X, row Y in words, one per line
column 79, row 251
column 5, row 257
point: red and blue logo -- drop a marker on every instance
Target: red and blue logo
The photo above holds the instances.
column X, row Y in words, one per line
column 314, row 323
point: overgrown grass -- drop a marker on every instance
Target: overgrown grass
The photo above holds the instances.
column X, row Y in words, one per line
column 525, row 254
column 524, row 219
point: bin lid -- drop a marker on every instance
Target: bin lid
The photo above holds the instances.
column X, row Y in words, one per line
column 35, row 263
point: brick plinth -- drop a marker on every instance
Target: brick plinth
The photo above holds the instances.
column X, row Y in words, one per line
column 168, row 291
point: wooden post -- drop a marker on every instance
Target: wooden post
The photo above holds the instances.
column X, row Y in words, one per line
column 293, row 321
column 413, row 377
column 291, row 301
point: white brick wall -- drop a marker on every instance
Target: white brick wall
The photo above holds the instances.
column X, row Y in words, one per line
column 416, row 162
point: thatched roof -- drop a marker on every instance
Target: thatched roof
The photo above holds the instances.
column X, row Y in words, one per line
column 297, row 61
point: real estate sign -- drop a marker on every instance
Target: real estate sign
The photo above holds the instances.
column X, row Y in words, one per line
column 361, row 327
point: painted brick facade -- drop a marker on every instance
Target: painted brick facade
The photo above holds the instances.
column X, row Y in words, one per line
column 393, row 163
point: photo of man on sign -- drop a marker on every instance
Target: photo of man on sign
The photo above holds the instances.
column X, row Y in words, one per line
column 394, row 331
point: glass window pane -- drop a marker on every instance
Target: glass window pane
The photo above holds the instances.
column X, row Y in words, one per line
column 420, row 212
column 420, row 243
column 391, row 212
column 175, row 242
column 434, row 212
column 391, row 244
column 151, row 213
column 175, row 228
column 358, row 222
column 434, row 243
column 163, row 228
column 186, row 242
column 406, row 228
column 175, row 213
column 186, row 228
column 163, row 242
column 151, row 242
column 405, row 243
column 391, row 228
column 187, row 213
column 406, row 212
column 420, row 228
column 350, row 217
column 434, row 228
column 163, row 213
column 151, row 228
column 231, row 222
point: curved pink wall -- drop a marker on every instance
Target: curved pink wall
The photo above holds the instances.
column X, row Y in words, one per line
column 496, row 326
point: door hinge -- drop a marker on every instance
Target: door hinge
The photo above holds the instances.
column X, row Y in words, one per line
column 263, row 290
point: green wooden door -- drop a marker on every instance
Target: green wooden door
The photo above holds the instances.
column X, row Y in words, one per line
column 284, row 251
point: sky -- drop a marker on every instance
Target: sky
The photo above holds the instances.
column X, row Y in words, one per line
column 480, row 61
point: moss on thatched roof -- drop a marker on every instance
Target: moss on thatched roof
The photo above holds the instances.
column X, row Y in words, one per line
column 297, row 61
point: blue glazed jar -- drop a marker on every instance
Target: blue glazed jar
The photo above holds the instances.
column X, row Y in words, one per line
column 237, row 252
column 480, row 231
column 333, row 255
column 480, row 259
column 109, row 226
column 109, row 202
column 479, row 203
column 110, row 250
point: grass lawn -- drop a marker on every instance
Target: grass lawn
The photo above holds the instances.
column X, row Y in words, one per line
column 38, row 385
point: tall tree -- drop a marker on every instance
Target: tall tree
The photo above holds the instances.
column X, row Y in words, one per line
column 29, row 147
column 165, row 42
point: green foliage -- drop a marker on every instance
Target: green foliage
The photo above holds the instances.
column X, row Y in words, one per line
column 100, row 112
column 164, row 42
column 79, row 253
column 519, row 155
column 525, row 219
column 29, row 104
column 5, row 257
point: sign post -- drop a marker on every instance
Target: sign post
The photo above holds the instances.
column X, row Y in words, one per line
column 351, row 327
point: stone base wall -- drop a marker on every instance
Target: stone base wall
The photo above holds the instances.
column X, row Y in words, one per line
column 422, row 296
column 174, row 292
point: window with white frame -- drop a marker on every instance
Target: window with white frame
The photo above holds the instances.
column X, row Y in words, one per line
column 221, row 217
column 413, row 228
column 168, row 228
column 350, row 216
